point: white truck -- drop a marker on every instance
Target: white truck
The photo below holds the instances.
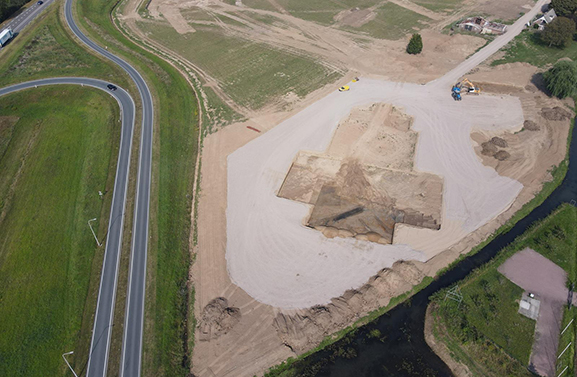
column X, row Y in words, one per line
column 5, row 36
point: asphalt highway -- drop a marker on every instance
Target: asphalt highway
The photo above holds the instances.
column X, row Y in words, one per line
column 23, row 19
column 134, row 316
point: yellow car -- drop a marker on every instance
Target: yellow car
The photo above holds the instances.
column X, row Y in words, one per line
column 356, row 79
column 345, row 88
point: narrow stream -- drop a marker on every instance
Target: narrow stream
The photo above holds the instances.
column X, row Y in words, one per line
column 402, row 350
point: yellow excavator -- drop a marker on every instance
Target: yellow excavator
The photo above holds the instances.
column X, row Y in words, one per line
column 467, row 86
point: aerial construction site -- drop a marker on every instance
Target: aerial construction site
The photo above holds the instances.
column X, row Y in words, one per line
column 320, row 205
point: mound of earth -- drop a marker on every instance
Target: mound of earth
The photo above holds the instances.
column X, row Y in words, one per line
column 307, row 328
column 556, row 113
column 217, row 319
column 531, row 126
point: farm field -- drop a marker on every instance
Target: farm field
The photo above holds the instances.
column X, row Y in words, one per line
column 59, row 149
column 485, row 332
column 393, row 22
column 252, row 74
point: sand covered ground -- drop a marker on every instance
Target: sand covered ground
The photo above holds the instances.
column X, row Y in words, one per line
column 239, row 335
column 280, row 262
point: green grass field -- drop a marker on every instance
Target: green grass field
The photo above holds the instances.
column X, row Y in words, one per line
column 54, row 160
column 439, row 5
column 392, row 22
column 252, row 74
column 527, row 47
column 168, row 324
column 46, row 50
column 485, row 331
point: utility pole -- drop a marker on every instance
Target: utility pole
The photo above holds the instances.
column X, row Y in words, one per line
column 94, row 234
column 67, row 363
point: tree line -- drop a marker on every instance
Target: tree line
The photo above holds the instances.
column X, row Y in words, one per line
column 8, row 7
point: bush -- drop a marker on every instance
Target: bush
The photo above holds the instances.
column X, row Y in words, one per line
column 561, row 80
column 559, row 32
column 415, row 45
column 566, row 8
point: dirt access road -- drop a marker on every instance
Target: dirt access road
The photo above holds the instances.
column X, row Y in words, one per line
column 278, row 261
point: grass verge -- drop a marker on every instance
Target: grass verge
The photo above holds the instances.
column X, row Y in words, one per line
column 175, row 148
column 58, row 155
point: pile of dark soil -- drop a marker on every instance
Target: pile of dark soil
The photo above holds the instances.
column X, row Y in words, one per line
column 556, row 113
column 489, row 149
column 502, row 143
column 217, row 319
column 531, row 126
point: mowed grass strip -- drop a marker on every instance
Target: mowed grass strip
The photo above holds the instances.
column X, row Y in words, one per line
column 252, row 74
column 485, row 329
column 60, row 153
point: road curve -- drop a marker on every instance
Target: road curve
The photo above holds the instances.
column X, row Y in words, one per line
column 116, row 221
column 134, row 316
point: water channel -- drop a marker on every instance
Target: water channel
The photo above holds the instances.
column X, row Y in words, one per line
column 404, row 352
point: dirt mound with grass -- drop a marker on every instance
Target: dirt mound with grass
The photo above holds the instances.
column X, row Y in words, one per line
column 217, row 319
column 556, row 113
column 529, row 125
column 307, row 328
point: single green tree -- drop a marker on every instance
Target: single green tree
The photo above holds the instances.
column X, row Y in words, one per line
column 415, row 45
column 565, row 8
column 561, row 80
column 559, row 32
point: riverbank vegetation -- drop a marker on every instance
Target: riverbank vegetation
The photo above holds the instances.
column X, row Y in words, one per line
column 484, row 331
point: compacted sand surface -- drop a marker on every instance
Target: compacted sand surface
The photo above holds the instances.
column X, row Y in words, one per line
column 278, row 261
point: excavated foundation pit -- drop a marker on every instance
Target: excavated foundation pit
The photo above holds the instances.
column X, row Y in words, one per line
column 362, row 186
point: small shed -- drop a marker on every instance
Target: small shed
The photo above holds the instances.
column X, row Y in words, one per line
column 529, row 306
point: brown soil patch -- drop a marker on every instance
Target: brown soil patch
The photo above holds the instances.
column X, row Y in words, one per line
column 529, row 154
column 217, row 319
column 304, row 329
column 531, row 126
column 502, row 155
column 504, row 10
column 355, row 17
column 353, row 195
column 378, row 134
column 556, row 113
